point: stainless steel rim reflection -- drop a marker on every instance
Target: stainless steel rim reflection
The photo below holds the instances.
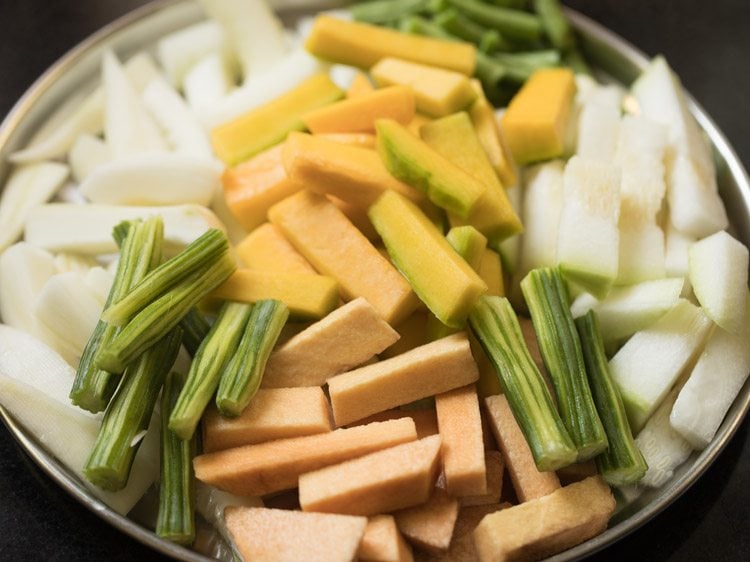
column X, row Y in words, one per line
column 622, row 61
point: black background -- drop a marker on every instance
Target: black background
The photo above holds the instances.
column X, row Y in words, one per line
column 708, row 44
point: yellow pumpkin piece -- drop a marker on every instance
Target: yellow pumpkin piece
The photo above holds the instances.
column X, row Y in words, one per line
column 265, row 248
column 362, row 45
column 442, row 279
column 251, row 188
column 534, row 123
column 454, row 138
column 307, row 296
column 358, row 115
column 362, row 140
column 335, row 247
column 488, row 130
column 269, row 124
column 358, row 216
column 491, row 271
column 352, row 174
column 437, row 91
column 360, row 85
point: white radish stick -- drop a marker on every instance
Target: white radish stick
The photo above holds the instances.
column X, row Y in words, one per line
column 87, row 153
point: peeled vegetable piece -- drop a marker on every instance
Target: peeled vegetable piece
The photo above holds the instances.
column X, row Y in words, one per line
column 266, row 249
column 154, row 179
column 87, row 229
column 87, row 154
column 289, row 536
column 588, row 238
column 402, row 379
column 598, row 131
column 647, row 366
column 718, row 272
column 695, row 205
column 269, row 124
column 180, row 51
column 383, row 541
column 716, row 380
column 383, row 481
column 335, row 247
column 345, row 338
column 547, row 525
column 412, row 161
column 437, row 91
column 363, row 45
column 534, row 123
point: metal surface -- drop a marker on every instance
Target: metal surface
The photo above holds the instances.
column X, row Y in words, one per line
column 79, row 69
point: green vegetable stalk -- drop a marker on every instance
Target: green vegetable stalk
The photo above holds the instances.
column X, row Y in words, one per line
column 547, row 299
column 195, row 329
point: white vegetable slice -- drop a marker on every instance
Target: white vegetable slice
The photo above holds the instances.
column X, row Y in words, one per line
column 207, row 83
column 542, row 205
column 647, row 366
column 180, row 125
column 718, row 272
column 128, row 128
column 598, row 130
column 27, row 187
column 66, row 261
column 88, row 117
column 87, row 153
column 677, row 246
column 663, row 448
column 99, row 280
column 154, row 179
column 87, row 229
column 254, row 31
column 641, row 251
column 24, row 269
column 694, row 207
column 69, row 308
column 626, row 310
column 589, row 91
column 285, row 75
column 713, row 385
column 178, row 52
column 588, row 239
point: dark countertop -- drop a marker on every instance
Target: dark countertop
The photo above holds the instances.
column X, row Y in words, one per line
column 708, row 45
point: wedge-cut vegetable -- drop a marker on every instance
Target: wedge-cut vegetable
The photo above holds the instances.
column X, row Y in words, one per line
column 425, row 420
column 626, row 310
column 334, row 246
column 598, row 132
column 266, row 249
column 87, row 229
column 87, row 154
column 622, row 463
column 128, row 127
column 255, row 186
column 128, row 415
column 441, row 278
column 437, row 91
column 495, row 467
column 363, row 45
column 534, row 124
column 415, row 163
column 383, row 541
column 241, row 377
column 547, row 298
column 358, row 217
column 359, row 114
column 345, row 338
column 718, row 272
column 379, row 482
column 208, row 82
column 588, row 239
column 429, row 526
column 462, row 449
column 547, row 525
column 181, row 50
column 351, row 173
column 663, row 448
column 362, row 140
column 176, row 518
column 213, row 357
column 469, row 243
column 666, row 346
column 308, row 296
column 154, row 179
column 183, row 129
column 402, row 379
column 164, row 313
column 360, row 85
column 267, row 125
column 316, row 537
column 277, row 465
column 253, row 30
column 496, row 326
column 26, row 188
column 140, row 243
column 273, row 413
column 455, row 138
column 713, row 385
